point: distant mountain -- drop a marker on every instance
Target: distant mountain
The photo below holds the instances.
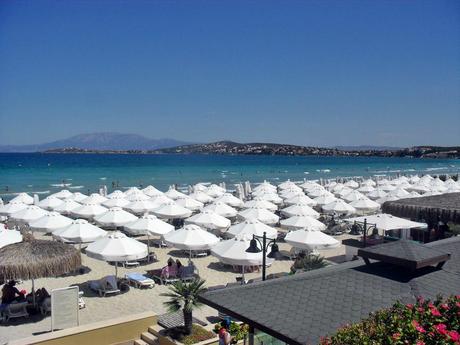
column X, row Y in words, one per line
column 99, row 141
column 367, row 148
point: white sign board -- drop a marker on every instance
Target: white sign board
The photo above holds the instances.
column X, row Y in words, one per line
column 64, row 308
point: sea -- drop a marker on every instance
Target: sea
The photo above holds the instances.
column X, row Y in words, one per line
column 43, row 174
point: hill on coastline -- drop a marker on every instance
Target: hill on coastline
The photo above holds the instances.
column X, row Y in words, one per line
column 109, row 141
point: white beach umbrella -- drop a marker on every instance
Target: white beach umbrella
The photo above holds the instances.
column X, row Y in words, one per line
column 339, row 207
column 191, row 237
column 338, row 187
column 114, row 217
column 89, row 210
column 174, row 194
column 287, row 184
column 387, row 198
column 50, row 203
column 265, row 186
column 151, row 191
column 261, row 214
column 302, row 223
column 63, row 194
column 50, row 222
column 387, row 222
column 262, row 191
column 148, row 225
column 67, row 206
column 353, row 196
column 414, row 179
column 141, row 206
column 413, row 195
column 300, row 199
column 311, row 240
column 116, row 201
column 77, row 196
column 199, row 187
column 189, row 203
column 94, row 198
column 172, row 211
column 324, row 199
column 382, row 182
column 351, row 184
column 251, row 227
column 9, row 237
column 439, row 188
column 399, row 192
column 138, row 195
column 12, row 207
column 222, row 209
column 299, row 210
column 131, row 190
column 308, row 185
column 161, row 200
column 366, row 189
column 29, row 214
column 272, row 197
column 230, row 200
column 116, row 194
column 79, row 231
column 259, row 202
column 117, row 247
column 387, row 187
column 369, row 183
column 201, row 197
column 419, row 188
column 344, row 191
column 290, row 194
column 365, row 205
column 215, row 191
column 377, row 194
column 24, row 198
column 209, row 220
column 318, row 192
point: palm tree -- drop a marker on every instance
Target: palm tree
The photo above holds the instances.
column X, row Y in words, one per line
column 185, row 296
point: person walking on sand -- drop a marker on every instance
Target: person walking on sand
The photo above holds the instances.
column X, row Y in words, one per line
column 224, row 335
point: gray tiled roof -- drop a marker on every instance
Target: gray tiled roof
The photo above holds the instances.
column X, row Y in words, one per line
column 300, row 309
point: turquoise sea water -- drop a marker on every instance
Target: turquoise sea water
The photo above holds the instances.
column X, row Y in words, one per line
column 43, row 173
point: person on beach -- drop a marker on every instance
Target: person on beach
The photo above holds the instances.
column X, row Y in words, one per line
column 224, row 335
column 170, row 270
column 10, row 293
column 180, row 268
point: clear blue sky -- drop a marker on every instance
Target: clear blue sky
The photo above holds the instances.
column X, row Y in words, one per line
column 302, row 72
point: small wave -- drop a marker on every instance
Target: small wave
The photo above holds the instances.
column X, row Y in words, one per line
column 60, row 184
column 102, row 178
column 30, row 185
column 41, row 192
column 76, row 187
column 323, row 170
column 435, row 169
column 306, row 172
column 409, row 170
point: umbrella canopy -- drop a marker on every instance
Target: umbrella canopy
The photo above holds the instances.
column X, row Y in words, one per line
column 288, row 194
column 63, row 194
column 116, row 194
column 260, row 214
column 115, row 216
column 215, row 191
column 261, row 203
column 89, row 210
column 116, row 201
column 151, row 191
column 189, row 203
column 172, row 211
column 32, row 259
column 252, row 227
column 344, row 191
column 339, row 206
column 221, row 209
column 132, row 190
column 353, row 196
column 209, row 220
column 365, row 205
column 12, row 207
column 387, row 198
column 138, row 195
column 29, row 214
column 117, row 247
column 300, row 199
column 50, row 222
column 94, row 198
column 272, row 197
column 366, row 189
column 78, row 197
column 148, row 225
column 420, row 188
column 265, row 186
column 287, row 184
column 311, row 240
column 351, row 184
column 399, row 192
column 233, row 252
column 67, row 206
column 8, row 237
column 377, row 194
column 79, row 231
column 387, row 222
column 230, row 200
column 299, row 210
column 302, row 222
column 201, row 197
column 24, row 198
column 191, row 237
column 141, row 206
column 199, row 187
column 369, row 183
column 319, row 192
column 50, row 203
column 387, row 187
column 174, row 194
column 324, row 199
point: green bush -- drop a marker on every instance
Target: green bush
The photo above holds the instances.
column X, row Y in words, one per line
column 424, row 323
column 308, row 263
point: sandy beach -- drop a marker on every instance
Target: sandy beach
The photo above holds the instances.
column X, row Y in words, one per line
column 135, row 300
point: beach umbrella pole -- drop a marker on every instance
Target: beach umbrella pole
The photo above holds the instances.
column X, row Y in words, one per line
column 242, row 273
column 33, row 292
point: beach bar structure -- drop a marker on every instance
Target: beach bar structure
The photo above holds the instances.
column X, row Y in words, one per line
column 302, row 308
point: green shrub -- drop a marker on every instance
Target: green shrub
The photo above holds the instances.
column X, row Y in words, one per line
column 423, row 323
column 308, row 263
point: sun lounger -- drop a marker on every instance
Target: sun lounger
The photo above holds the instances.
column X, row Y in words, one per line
column 105, row 286
column 14, row 310
column 130, row 264
column 156, row 275
column 188, row 273
column 139, row 280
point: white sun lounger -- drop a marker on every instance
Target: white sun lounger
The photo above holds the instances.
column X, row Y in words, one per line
column 105, row 286
column 139, row 280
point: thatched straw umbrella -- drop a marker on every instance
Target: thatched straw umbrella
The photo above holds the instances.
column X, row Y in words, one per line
column 431, row 209
column 33, row 259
